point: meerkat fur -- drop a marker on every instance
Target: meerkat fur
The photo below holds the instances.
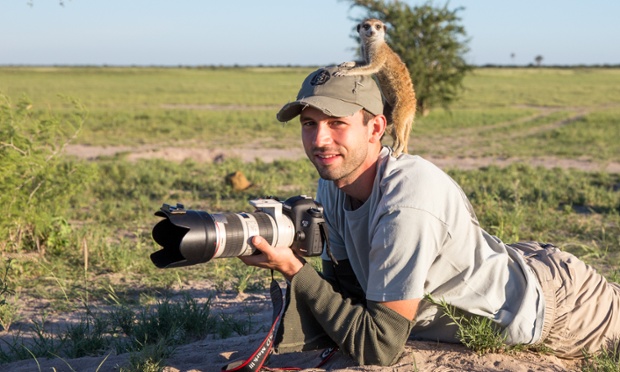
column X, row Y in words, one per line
column 393, row 77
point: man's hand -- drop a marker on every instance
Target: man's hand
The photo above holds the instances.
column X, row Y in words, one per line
column 281, row 259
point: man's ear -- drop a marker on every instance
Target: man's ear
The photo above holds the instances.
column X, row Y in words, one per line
column 377, row 127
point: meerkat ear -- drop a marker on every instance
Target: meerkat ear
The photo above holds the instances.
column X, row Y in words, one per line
column 359, row 25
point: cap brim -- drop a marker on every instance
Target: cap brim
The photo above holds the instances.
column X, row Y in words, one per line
column 330, row 106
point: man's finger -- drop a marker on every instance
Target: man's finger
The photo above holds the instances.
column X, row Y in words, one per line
column 259, row 243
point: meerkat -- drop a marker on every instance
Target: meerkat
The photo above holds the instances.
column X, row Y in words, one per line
column 393, row 77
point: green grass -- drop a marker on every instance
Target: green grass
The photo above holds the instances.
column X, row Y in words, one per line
column 608, row 360
column 210, row 106
column 90, row 221
column 582, row 87
column 591, row 136
column 147, row 88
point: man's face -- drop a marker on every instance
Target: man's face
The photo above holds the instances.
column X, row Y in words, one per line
column 338, row 147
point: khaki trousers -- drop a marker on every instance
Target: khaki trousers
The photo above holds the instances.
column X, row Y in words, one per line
column 582, row 309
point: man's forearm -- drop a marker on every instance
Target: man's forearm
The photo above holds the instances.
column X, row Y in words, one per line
column 371, row 333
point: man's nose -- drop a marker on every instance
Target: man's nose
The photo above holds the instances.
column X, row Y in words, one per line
column 323, row 135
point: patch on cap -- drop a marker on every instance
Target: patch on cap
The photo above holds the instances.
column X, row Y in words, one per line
column 320, row 78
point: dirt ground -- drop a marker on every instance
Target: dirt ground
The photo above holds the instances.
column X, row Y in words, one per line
column 249, row 154
column 211, row 354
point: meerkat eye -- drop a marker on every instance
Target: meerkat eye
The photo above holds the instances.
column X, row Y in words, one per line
column 378, row 26
column 366, row 27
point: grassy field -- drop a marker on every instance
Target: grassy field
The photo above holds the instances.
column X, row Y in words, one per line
column 232, row 107
column 81, row 234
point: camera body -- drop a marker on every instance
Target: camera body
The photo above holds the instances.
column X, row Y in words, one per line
column 190, row 237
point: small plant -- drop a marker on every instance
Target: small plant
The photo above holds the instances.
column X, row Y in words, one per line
column 89, row 337
column 246, row 279
column 149, row 358
column 177, row 322
column 229, row 324
column 607, row 360
column 44, row 342
column 8, row 306
column 475, row 332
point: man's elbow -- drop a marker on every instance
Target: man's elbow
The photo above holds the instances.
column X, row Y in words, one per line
column 385, row 358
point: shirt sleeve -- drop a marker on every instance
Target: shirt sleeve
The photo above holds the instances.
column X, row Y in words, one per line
column 404, row 245
column 370, row 333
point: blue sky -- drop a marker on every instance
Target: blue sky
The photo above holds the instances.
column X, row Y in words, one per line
column 280, row 32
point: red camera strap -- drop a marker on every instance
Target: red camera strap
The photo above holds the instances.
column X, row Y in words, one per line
column 256, row 361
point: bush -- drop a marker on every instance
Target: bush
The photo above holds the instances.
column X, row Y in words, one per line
column 38, row 185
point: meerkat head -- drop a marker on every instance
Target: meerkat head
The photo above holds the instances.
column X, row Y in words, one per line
column 371, row 30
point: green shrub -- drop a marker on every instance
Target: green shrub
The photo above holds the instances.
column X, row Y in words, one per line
column 38, row 185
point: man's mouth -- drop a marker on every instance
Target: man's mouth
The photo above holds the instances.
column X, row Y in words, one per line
column 326, row 159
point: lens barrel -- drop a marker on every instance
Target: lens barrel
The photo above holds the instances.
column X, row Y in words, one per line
column 190, row 237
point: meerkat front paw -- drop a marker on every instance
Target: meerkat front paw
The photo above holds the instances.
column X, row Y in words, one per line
column 349, row 64
column 343, row 68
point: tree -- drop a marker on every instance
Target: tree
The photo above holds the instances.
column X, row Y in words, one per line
column 431, row 42
column 538, row 60
column 31, row 3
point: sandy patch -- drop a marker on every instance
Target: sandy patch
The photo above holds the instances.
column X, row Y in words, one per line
column 250, row 154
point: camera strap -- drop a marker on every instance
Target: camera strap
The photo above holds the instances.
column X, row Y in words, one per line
column 256, row 361
column 325, row 239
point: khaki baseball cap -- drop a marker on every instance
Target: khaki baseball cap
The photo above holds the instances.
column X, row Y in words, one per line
column 337, row 96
